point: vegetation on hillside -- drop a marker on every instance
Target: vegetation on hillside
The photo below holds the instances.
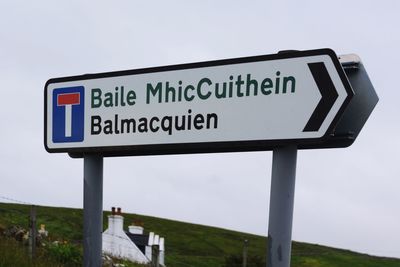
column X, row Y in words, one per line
column 187, row 245
column 13, row 253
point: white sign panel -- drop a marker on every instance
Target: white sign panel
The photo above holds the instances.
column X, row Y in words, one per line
column 250, row 103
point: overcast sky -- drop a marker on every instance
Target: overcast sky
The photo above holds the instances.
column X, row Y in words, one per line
column 347, row 198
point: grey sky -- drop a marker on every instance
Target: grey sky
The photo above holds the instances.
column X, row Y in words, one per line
column 346, row 198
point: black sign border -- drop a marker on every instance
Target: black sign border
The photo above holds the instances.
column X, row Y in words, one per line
column 205, row 147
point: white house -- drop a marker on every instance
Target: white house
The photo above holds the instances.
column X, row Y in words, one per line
column 133, row 245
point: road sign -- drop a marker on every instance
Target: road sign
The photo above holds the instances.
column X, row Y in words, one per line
column 285, row 102
column 242, row 104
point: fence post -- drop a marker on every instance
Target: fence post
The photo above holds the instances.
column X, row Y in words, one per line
column 245, row 245
column 155, row 249
column 32, row 232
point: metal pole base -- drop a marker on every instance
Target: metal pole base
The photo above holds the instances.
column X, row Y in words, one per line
column 281, row 206
column 92, row 210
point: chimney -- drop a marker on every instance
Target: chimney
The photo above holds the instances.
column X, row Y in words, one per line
column 162, row 251
column 134, row 229
column 115, row 221
column 156, row 240
column 151, row 239
column 162, row 244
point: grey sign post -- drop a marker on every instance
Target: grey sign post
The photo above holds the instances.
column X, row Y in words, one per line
column 281, row 206
column 284, row 162
column 92, row 210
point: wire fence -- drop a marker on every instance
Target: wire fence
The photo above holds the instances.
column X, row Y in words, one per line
column 9, row 199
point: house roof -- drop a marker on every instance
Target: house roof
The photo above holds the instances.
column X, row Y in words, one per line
column 140, row 241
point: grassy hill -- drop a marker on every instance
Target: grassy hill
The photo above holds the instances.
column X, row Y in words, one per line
column 186, row 244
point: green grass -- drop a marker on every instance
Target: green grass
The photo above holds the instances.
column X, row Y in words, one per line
column 188, row 245
column 309, row 255
column 13, row 253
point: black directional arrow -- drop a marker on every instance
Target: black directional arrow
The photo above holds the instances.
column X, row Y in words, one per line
column 328, row 93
